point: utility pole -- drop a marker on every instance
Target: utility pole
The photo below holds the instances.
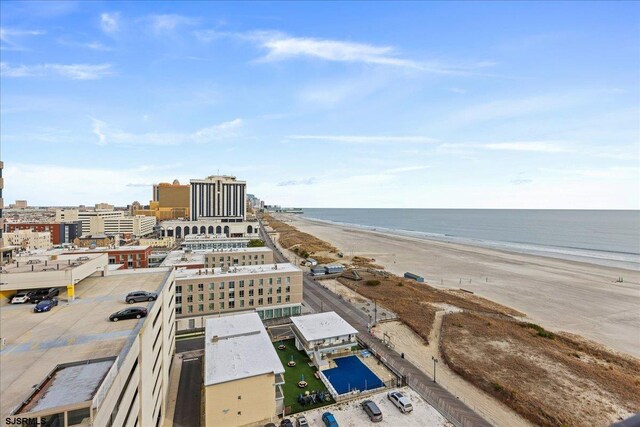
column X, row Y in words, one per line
column 435, row 360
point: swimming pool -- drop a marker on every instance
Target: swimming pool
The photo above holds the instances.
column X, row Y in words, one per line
column 351, row 374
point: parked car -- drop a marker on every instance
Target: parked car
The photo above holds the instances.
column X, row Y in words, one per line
column 286, row 422
column 45, row 305
column 43, row 294
column 302, row 421
column 402, row 403
column 21, row 297
column 129, row 313
column 329, row 420
column 372, row 410
column 139, row 296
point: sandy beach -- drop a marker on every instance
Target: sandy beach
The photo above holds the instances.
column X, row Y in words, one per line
column 560, row 295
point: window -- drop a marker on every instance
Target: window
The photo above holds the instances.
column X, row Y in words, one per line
column 189, row 309
column 270, row 281
column 269, row 291
column 178, row 310
column 178, row 300
column 279, row 299
column 269, row 300
column 200, row 287
column 232, row 294
column 189, row 288
column 251, row 303
column 221, row 295
column 221, row 285
column 260, row 282
column 232, row 304
column 287, row 298
column 221, row 305
column 212, row 286
column 279, row 281
column 260, row 292
column 287, row 280
column 200, row 297
column 241, row 294
column 212, row 306
column 178, row 289
column 200, row 307
column 259, row 301
column 239, row 397
column 189, row 298
column 250, row 282
column 262, row 256
column 212, row 296
column 241, row 283
column 287, row 289
column 241, row 303
column 278, row 290
column 232, row 284
column 250, row 292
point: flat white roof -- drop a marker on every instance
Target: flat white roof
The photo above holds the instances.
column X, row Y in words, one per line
column 322, row 326
column 236, row 271
column 238, row 250
column 175, row 258
column 241, row 349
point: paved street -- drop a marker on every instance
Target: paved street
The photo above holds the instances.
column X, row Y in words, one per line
column 321, row 299
column 187, row 413
column 190, row 344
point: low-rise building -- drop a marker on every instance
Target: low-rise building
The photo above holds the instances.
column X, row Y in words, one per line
column 61, row 232
column 78, row 368
column 128, row 256
column 243, row 375
column 322, row 335
column 96, row 240
column 28, row 240
column 214, row 243
column 163, row 242
column 210, row 227
column 238, row 257
column 271, row 290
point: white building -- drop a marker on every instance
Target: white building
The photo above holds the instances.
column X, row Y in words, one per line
column 105, row 373
column 209, row 227
column 219, row 197
column 214, row 243
column 243, row 374
column 322, row 335
column 108, row 222
column 28, row 239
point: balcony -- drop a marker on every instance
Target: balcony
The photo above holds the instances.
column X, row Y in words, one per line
column 279, row 379
column 279, row 393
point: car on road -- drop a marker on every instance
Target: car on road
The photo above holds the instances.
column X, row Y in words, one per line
column 402, row 403
column 302, row 421
column 139, row 296
column 43, row 294
column 129, row 313
column 45, row 305
column 373, row 412
column 329, row 420
column 286, row 422
column 21, row 297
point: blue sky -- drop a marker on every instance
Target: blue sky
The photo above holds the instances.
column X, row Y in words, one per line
column 458, row 105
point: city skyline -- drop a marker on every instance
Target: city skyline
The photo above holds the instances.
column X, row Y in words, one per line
column 434, row 105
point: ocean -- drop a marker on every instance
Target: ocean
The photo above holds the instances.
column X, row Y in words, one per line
column 605, row 237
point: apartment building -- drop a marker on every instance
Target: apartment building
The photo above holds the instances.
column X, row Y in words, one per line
column 220, row 197
column 243, row 375
column 61, row 232
column 271, row 290
column 106, row 373
column 28, row 240
column 211, row 228
column 238, row 257
column 214, row 243
column 129, row 226
column 135, row 256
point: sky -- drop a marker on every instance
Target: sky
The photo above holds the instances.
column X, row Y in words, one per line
column 380, row 105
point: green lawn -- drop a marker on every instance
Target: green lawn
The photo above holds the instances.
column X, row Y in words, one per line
column 292, row 376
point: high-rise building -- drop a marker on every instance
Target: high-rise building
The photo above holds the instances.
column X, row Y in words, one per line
column 169, row 201
column 220, row 197
column 108, row 222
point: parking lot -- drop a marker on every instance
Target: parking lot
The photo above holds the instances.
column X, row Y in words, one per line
column 350, row 414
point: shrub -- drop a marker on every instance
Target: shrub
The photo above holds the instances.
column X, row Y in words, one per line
column 255, row 243
column 541, row 332
column 497, row 387
column 372, row 282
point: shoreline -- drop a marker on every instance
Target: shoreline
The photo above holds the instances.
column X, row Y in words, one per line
column 625, row 260
column 562, row 295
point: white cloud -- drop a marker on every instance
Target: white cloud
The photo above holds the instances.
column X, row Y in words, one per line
column 71, row 71
column 215, row 133
column 364, row 139
column 110, row 22
column 9, row 36
column 533, row 146
column 169, row 22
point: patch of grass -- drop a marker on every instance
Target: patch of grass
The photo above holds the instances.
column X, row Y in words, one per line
column 541, row 332
column 293, row 374
column 372, row 282
column 255, row 243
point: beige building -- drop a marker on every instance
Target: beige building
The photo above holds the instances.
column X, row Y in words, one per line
column 271, row 290
column 108, row 222
column 129, row 226
column 243, row 375
column 28, row 240
column 164, row 242
column 104, row 373
column 238, row 257
column 104, row 206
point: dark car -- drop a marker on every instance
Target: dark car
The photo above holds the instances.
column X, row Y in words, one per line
column 129, row 313
column 329, row 420
column 43, row 294
column 286, row 422
column 45, row 305
column 372, row 410
column 140, row 296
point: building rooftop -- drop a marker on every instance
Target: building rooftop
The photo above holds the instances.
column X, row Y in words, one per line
column 35, row 343
column 38, row 261
column 322, row 325
column 236, row 271
column 183, row 258
column 238, row 347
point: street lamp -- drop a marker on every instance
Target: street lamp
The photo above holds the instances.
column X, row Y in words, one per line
column 435, row 360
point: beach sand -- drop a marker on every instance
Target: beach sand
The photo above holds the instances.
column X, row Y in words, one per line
column 560, row 295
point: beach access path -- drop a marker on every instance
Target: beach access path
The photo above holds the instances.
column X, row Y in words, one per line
column 321, row 299
column 560, row 295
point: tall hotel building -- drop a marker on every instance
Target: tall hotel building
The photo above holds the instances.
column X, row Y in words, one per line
column 218, row 197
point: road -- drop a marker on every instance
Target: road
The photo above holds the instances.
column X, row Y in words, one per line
column 320, row 299
column 187, row 413
column 189, row 344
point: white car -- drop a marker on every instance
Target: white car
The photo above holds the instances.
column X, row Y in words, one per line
column 21, row 297
column 402, row 402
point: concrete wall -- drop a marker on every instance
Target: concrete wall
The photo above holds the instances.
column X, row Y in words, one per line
column 240, row 402
column 234, row 258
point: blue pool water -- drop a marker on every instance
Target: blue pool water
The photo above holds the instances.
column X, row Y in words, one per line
column 351, row 374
